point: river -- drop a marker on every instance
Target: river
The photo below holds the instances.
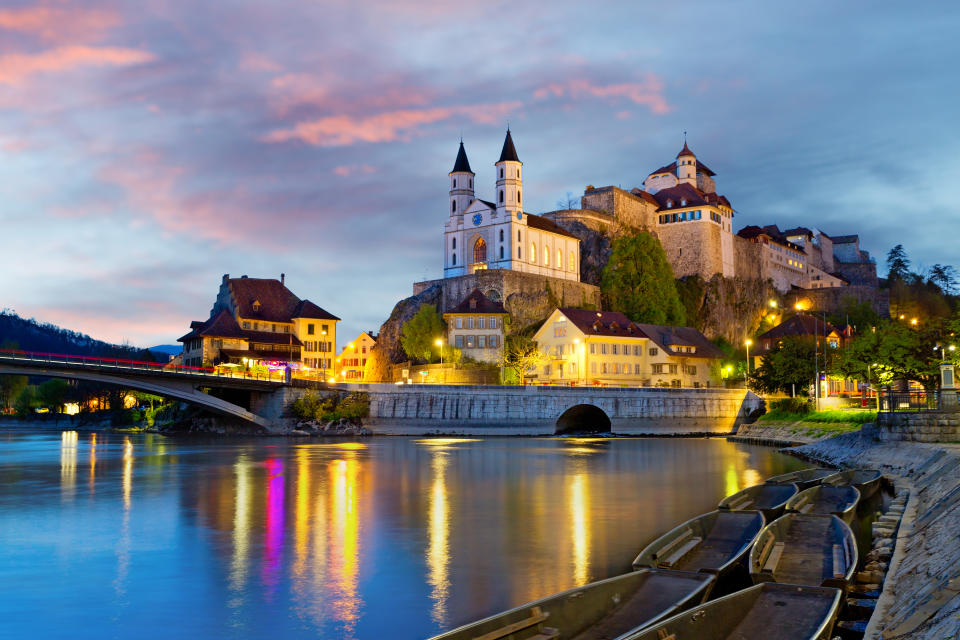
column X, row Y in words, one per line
column 143, row 536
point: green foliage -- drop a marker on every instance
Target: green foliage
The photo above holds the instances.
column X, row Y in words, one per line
column 53, row 394
column 790, row 364
column 520, row 354
column 692, row 290
column 820, row 417
column 312, row 406
column 898, row 264
column 10, row 388
column 791, row 405
column 419, row 334
column 860, row 315
column 26, row 401
column 639, row 282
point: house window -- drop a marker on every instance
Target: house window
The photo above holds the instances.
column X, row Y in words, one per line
column 603, row 349
column 518, row 196
column 480, row 322
column 481, row 342
column 692, row 370
column 454, row 259
column 459, row 323
column 653, row 351
column 480, row 251
column 559, row 259
column 493, row 323
column 593, row 366
column 470, row 323
column 471, row 341
column 501, row 252
column 459, row 341
column 546, row 370
column 614, row 349
column 636, row 369
column 492, row 342
column 246, row 325
column 657, row 368
column 501, row 174
column 454, row 243
column 672, row 368
column 603, row 367
column 593, row 348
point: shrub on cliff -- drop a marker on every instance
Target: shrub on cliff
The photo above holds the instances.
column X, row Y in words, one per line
column 420, row 333
column 638, row 282
column 312, row 406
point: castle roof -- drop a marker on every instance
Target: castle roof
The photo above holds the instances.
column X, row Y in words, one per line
column 509, row 152
column 539, row 222
column 461, row 165
column 845, row 239
column 799, row 231
column 671, row 197
column 685, row 151
column 771, row 231
column 672, row 168
column 477, row 303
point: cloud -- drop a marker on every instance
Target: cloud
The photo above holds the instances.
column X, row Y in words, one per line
column 351, row 169
column 16, row 67
column 57, row 25
column 648, row 92
column 389, row 126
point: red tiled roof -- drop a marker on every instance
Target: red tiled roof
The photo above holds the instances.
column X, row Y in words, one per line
column 223, row 325
column 802, row 324
column 481, row 304
column 277, row 303
column 601, row 323
column 307, row 309
column 685, row 151
column 772, row 231
column 687, row 192
column 538, row 222
column 666, row 336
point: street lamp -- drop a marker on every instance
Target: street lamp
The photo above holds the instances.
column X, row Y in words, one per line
column 746, row 376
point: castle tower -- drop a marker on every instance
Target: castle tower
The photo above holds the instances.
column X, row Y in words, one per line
column 461, row 183
column 509, row 181
column 687, row 166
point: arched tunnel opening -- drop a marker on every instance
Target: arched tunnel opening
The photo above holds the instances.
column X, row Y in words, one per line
column 583, row 418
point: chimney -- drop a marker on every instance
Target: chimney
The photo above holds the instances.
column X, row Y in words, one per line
column 282, row 278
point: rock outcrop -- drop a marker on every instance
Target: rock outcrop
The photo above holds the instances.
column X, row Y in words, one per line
column 388, row 349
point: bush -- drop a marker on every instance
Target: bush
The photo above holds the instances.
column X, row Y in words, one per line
column 312, row 406
column 791, row 405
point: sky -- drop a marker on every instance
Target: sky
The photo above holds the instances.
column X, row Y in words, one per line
column 149, row 147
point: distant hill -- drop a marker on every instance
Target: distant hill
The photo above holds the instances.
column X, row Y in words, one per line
column 167, row 349
column 31, row 335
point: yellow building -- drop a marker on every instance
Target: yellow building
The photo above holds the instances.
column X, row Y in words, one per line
column 607, row 348
column 353, row 358
column 257, row 321
column 475, row 326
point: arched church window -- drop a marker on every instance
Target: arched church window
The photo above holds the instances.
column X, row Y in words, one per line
column 501, row 253
column 471, row 183
column 546, row 256
column 519, row 253
column 573, row 263
column 453, row 206
column 533, row 252
column 454, row 183
column 454, row 243
column 480, row 251
column 559, row 259
column 518, row 173
column 454, row 260
column 518, row 197
column 518, row 236
column 501, row 172
column 501, row 196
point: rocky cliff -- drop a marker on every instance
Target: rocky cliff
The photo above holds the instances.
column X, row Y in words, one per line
column 729, row 308
column 388, row 349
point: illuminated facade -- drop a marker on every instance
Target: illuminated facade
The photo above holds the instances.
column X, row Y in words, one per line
column 606, row 348
column 475, row 326
column 259, row 321
column 480, row 234
column 353, row 357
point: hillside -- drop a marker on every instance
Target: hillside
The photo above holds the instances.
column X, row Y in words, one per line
column 31, row 335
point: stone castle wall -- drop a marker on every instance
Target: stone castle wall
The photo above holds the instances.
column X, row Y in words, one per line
column 624, row 206
column 832, row 299
column 858, row 273
column 747, row 257
column 692, row 248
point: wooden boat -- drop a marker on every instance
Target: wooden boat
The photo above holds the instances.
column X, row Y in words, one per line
column 781, row 611
column 825, row 500
column 804, row 478
column 866, row 480
column 768, row 498
column 609, row 609
column 713, row 542
column 818, row 551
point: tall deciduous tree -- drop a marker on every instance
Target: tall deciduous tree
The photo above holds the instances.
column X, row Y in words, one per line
column 420, row 333
column 520, row 355
column 10, row 388
column 791, row 364
column 639, row 282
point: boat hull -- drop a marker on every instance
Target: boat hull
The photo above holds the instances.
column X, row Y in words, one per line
column 769, row 499
column 613, row 608
column 804, row 478
column 828, row 499
column 813, row 550
column 867, row 481
column 784, row 612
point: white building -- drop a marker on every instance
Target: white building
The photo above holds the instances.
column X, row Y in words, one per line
column 499, row 235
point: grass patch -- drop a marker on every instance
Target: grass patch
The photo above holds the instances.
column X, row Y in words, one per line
column 857, row 417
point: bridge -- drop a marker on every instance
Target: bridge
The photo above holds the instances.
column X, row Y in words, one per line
column 178, row 382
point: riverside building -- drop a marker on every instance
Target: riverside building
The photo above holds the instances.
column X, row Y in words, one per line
column 476, row 327
column 353, row 358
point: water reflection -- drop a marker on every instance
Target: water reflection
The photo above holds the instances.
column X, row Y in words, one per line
column 385, row 538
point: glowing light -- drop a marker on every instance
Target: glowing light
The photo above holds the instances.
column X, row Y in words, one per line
column 580, row 528
column 730, row 480
column 241, row 525
column 68, row 463
column 126, row 483
column 438, row 551
column 345, row 529
column 748, row 342
column 913, row 321
column 444, row 442
column 773, row 304
column 93, row 459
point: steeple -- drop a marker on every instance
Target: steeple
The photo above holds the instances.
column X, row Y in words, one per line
column 509, row 182
column 686, row 164
column 509, row 152
column 461, row 183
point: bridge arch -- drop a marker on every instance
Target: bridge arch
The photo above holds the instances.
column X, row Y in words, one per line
column 583, row 418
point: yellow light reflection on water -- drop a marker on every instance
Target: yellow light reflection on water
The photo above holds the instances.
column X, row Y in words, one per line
column 127, row 481
column 123, row 545
column 580, row 527
column 751, row 477
column 731, row 480
column 68, row 464
column 445, row 442
column 345, row 537
column 438, row 548
column 93, row 459
column 241, row 526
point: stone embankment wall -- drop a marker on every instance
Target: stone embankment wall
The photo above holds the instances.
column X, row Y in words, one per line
column 924, row 426
column 788, row 434
column 921, row 594
column 512, row 410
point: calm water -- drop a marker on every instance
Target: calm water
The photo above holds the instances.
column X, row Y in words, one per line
column 105, row 535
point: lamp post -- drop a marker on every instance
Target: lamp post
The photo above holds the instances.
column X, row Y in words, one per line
column 443, row 372
column 576, row 352
column 746, row 376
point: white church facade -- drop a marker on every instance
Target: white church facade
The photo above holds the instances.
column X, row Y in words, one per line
column 481, row 235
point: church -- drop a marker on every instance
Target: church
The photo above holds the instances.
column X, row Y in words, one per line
column 480, row 234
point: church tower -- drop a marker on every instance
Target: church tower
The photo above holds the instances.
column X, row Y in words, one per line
column 509, row 182
column 461, row 183
column 687, row 166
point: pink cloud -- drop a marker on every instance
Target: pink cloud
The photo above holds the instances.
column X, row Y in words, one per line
column 352, row 169
column 648, row 92
column 16, row 67
column 400, row 124
column 54, row 24
column 256, row 62
column 292, row 90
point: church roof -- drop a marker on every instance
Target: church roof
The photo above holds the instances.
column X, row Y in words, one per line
column 462, row 165
column 476, row 302
column 539, row 222
column 672, row 197
column 509, row 152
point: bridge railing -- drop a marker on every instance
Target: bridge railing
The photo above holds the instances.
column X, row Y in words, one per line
column 908, row 401
column 140, row 365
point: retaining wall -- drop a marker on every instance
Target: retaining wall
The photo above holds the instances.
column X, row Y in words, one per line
column 922, row 426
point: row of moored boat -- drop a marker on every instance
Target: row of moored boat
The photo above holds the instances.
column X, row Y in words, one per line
column 793, row 533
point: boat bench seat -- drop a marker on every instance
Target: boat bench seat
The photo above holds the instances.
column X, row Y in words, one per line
column 677, row 555
column 806, row 508
column 802, row 504
column 665, row 555
column 839, row 561
column 537, row 616
column 547, row 633
column 774, row 558
column 741, row 504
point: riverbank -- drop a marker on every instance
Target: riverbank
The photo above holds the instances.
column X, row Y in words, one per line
column 921, row 594
column 790, row 433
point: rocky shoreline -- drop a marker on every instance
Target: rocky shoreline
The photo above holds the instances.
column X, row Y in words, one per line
column 921, row 594
column 789, row 434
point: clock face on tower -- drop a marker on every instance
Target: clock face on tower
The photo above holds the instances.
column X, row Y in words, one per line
column 519, row 215
column 477, row 218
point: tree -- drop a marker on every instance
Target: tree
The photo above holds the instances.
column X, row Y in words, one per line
column 569, row 201
column 790, row 365
column 898, row 264
column 53, row 394
column 419, row 334
column 944, row 276
column 26, row 401
column 520, row 354
column 10, row 388
column 638, row 282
